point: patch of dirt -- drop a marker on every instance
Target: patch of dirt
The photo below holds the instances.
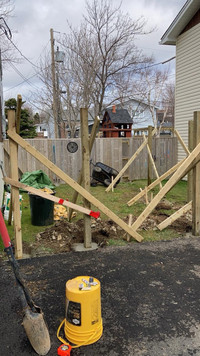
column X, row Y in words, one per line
column 60, row 237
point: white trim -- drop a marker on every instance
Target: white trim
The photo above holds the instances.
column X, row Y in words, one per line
column 184, row 16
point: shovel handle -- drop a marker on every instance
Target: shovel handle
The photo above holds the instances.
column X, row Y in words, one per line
column 4, row 232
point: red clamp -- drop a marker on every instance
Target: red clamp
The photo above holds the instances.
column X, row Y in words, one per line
column 64, row 350
column 61, row 201
column 95, row 214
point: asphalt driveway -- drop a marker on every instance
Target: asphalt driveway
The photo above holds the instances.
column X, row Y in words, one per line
column 150, row 298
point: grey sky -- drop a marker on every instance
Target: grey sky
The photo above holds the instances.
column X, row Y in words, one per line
column 33, row 19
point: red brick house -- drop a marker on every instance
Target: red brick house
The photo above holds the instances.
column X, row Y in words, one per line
column 116, row 123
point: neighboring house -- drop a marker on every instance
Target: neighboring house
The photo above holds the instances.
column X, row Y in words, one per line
column 184, row 33
column 140, row 113
column 116, row 123
column 41, row 130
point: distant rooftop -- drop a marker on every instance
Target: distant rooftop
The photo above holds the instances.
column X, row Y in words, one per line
column 120, row 116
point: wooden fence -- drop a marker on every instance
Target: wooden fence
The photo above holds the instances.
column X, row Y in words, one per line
column 114, row 152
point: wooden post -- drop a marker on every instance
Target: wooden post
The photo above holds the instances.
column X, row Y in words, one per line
column 196, row 179
column 86, row 175
column 150, row 128
column 15, row 190
column 191, row 147
column 18, row 114
column 152, row 163
column 80, row 178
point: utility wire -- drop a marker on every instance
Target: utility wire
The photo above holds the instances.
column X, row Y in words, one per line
column 22, row 76
column 28, row 60
column 17, row 85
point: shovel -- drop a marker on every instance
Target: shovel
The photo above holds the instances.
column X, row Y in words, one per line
column 33, row 320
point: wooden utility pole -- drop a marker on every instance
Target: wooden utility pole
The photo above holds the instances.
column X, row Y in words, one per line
column 53, row 76
column 15, row 191
column 86, row 175
column 150, row 128
column 196, row 179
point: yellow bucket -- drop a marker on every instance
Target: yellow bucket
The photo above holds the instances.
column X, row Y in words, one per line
column 83, row 322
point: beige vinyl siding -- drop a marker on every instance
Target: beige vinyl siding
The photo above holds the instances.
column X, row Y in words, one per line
column 187, row 98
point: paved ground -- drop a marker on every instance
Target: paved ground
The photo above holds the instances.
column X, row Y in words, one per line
column 150, row 298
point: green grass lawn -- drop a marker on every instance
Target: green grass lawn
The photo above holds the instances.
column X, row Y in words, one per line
column 115, row 201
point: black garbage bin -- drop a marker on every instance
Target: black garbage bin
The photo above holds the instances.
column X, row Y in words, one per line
column 42, row 210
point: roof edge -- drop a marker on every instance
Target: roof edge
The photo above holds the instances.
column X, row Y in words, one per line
column 186, row 13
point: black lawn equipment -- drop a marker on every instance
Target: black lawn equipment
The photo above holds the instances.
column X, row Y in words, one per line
column 103, row 174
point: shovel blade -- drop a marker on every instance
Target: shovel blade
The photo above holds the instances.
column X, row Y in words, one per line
column 37, row 331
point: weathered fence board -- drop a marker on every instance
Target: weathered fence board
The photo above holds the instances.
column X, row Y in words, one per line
column 114, row 152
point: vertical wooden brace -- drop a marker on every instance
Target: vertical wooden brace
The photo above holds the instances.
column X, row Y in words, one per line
column 191, row 147
column 196, row 179
column 86, row 174
column 15, row 190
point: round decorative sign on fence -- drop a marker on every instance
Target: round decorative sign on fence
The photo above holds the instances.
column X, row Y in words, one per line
column 72, row 147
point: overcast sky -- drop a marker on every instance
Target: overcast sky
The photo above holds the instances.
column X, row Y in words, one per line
column 32, row 20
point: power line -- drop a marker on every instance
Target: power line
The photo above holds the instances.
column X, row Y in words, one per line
column 28, row 60
column 17, row 85
column 22, row 76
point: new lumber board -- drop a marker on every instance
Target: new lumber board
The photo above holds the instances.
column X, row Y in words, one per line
column 155, row 183
column 15, row 206
column 127, row 165
column 51, row 197
column 181, row 171
column 187, row 207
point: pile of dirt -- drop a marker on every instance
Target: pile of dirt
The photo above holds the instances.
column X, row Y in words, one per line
column 63, row 234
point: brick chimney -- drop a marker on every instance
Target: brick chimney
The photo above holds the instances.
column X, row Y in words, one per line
column 114, row 109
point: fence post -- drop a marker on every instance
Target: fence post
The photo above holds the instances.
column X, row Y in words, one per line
column 191, row 147
column 86, row 175
column 196, row 180
column 14, row 190
column 150, row 128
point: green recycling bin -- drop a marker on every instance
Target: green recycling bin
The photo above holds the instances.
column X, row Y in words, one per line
column 42, row 210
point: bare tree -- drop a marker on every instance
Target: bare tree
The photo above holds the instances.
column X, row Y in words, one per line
column 7, row 48
column 169, row 99
column 102, row 52
column 152, row 86
column 101, row 61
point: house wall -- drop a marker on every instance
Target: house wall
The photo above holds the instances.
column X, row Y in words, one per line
column 140, row 113
column 187, row 97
